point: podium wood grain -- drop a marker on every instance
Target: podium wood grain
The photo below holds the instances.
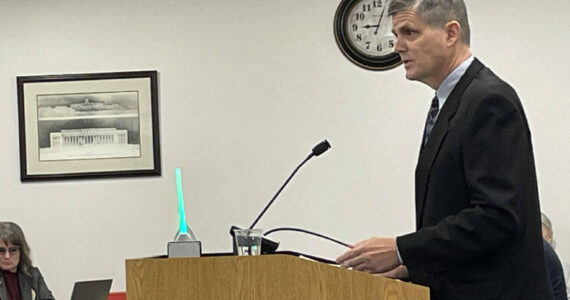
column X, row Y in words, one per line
column 267, row 277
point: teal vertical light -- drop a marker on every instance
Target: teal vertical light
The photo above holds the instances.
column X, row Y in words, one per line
column 183, row 228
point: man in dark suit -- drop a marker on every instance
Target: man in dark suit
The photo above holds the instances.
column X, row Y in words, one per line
column 554, row 273
column 554, row 269
column 477, row 210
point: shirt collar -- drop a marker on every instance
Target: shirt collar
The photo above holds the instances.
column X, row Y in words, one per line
column 451, row 80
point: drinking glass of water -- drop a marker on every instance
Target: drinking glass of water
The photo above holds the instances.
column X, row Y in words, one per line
column 248, row 241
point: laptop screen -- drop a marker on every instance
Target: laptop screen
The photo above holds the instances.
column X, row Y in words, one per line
column 91, row 290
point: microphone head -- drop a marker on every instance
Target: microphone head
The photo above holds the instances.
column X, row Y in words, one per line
column 321, row 148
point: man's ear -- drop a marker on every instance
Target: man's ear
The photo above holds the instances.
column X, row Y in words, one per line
column 453, row 31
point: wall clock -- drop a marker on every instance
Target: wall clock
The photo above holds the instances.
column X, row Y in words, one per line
column 363, row 32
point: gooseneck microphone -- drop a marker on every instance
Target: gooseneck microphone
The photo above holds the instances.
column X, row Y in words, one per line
column 317, row 150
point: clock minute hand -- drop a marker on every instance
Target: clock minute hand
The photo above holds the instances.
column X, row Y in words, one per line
column 379, row 20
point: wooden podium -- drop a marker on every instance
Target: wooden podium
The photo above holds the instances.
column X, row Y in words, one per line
column 266, row 277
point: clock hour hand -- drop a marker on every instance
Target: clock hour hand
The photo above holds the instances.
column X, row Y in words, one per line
column 370, row 26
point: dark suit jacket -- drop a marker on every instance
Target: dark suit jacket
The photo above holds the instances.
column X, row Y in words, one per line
column 31, row 288
column 477, row 211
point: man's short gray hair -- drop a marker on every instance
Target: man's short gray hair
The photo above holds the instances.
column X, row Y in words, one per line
column 546, row 223
column 436, row 13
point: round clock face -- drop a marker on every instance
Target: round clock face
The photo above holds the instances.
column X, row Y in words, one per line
column 363, row 32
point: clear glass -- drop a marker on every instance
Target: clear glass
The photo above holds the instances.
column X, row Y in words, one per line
column 248, row 241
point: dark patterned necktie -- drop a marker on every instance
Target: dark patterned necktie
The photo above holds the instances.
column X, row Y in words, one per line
column 431, row 118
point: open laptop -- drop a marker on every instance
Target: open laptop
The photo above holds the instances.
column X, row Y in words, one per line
column 91, row 290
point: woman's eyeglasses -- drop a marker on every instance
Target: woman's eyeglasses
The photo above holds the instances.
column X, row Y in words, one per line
column 11, row 250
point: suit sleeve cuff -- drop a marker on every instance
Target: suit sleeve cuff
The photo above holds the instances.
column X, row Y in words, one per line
column 398, row 252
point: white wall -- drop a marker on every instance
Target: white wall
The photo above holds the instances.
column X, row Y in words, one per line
column 246, row 89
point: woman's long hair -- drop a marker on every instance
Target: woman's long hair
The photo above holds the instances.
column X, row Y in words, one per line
column 10, row 232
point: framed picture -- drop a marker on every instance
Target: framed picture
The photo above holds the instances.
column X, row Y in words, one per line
column 88, row 125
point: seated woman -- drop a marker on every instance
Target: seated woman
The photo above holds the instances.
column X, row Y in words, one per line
column 19, row 280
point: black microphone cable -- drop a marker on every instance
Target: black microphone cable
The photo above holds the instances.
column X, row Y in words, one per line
column 308, row 232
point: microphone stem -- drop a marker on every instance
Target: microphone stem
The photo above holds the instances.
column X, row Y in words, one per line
column 279, row 191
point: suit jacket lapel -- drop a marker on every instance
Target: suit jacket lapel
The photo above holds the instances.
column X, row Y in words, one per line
column 25, row 287
column 438, row 134
column 3, row 290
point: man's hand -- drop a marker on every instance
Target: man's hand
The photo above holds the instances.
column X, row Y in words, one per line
column 374, row 255
column 400, row 272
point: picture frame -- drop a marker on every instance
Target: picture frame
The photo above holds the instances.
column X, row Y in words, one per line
column 82, row 126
